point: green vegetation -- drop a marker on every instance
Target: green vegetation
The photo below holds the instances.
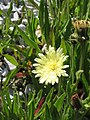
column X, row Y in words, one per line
column 70, row 98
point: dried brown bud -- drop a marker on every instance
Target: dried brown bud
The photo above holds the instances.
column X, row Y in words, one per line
column 75, row 101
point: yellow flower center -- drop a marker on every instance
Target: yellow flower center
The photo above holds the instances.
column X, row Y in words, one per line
column 52, row 66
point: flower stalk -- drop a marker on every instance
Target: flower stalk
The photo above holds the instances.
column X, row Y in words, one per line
column 59, row 86
column 72, row 63
column 73, row 44
column 82, row 55
column 83, row 37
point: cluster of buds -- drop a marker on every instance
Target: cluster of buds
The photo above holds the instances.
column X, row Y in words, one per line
column 82, row 27
column 80, row 24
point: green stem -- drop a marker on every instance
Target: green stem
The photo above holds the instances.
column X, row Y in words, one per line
column 82, row 55
column 59, row 87
column 72, row 63
column 25, row 98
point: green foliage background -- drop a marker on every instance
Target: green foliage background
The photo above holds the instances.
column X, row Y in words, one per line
column 55, row 20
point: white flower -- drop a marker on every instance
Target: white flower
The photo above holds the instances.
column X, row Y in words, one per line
column 51, row 66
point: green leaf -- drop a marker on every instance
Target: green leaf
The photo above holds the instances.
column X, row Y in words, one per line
column 30, row 107
column 19, row 49
column 1, row 12
column 8, row 98
column 9, row 76
column 31, row 111
column 3, row 44
column 49, row 96
column 7, row 24
column 28, row 40
column 39, row 95
column 78, row 74
column 31, row 97
column 52, row 37
column 48, row 101
column 34, row 3
column 5, row 108
column 59, row 103
column 47, row 113
column 41, row 15
column 11, row 59
column 44, row 19
column 63, row 45
column 85, row 83
column 10, row 9
column 15, row 104
column 47, row 27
